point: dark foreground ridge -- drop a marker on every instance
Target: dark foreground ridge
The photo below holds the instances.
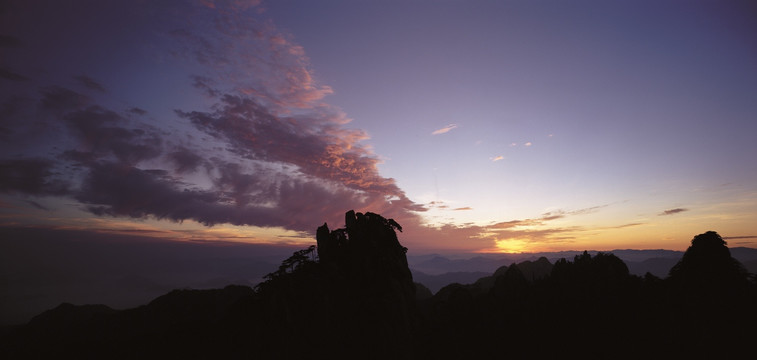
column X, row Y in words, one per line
column 353, row 297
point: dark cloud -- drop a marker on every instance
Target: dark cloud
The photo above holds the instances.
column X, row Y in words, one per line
column 102, row 132
column 241, row 188
column 292, row 173
column 185, row 160
column 7, row 74
column 89, row 83
column 78, row 157
column 115, row 189
column 105, row 132
column 30, row 176
column 24, row 130
column 122, row 190
column 739, row 237
column 318, row 148
column 137, row 111
column 260, row 149
column 205, row 84
column 37, row 205
column 672, row 211
column 59, row 99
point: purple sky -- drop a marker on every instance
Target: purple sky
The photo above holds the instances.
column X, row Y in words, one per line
column 477, row 125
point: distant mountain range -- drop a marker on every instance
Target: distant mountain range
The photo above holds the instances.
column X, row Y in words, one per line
column 436, row 271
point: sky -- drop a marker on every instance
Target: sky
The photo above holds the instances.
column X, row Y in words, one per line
column 479, row 126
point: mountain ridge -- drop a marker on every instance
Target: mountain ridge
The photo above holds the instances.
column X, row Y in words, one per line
column 657, row 262
column 354, row 298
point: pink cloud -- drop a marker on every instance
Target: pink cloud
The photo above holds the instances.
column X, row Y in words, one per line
column 316, row 146
column 247, row 52
column 261, row 148
column 443, row 130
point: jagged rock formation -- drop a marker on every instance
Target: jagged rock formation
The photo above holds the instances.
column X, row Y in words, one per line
column 367, row 248
column 358, row 295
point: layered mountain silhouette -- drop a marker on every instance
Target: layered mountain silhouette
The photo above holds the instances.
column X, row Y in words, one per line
column 353, row 296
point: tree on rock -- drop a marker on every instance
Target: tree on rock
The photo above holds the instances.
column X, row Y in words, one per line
column 356, row 295
column 707, row 268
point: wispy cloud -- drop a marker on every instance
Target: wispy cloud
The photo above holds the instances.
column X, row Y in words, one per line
column 562, row 213
column 8, row 74
column 746, row 240
column 437, row 205
column 623, row 226
column 89, row 83
column 37, row 205
column 529, row 233
column 463, row 208
column 31, row 176
column 498, row 158
column 528, row 144
column 740, row 237
column 444, row 129
column 672, row 211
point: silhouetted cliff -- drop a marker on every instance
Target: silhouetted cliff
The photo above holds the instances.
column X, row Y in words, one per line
column 356, row 300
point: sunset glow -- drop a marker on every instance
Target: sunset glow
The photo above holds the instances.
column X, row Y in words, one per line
column 479, row 126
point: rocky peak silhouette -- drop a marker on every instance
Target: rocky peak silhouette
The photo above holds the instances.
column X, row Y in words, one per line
column 707, row 269
column 367, row 249
column 359, row 289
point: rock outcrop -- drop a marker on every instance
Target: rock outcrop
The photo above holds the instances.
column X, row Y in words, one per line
column 356, row 300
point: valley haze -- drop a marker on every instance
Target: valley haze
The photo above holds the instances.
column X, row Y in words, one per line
column 43, row 268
